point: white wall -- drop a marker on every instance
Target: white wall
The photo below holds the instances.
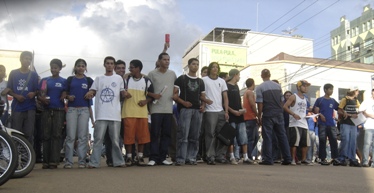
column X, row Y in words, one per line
column 262, row 47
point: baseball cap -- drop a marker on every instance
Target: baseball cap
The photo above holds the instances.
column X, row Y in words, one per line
column 303, row 83
column 353, row 88
column 232, row 73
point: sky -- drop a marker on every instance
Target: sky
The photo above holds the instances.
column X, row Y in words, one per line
column 135, row 29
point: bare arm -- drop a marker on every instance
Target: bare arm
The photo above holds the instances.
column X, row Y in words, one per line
column 252, row 103
column 177, row 99
column 291, row 102
column 90, row 94
column 91, row 117
column 368, row 115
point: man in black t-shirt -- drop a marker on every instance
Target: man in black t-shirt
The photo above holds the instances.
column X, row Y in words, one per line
column 190, row 107
column 236, row 118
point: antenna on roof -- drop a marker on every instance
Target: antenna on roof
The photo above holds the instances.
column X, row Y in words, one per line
column 289, row 30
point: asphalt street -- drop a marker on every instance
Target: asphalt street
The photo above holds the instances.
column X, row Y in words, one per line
column 201, row 178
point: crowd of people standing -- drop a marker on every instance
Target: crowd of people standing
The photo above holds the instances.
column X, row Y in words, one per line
column 127, row 104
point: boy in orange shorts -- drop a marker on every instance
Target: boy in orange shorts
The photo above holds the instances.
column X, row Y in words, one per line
column 135, row 112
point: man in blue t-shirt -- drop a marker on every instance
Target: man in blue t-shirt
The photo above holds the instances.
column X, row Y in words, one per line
column 325, row 106
column 22, row 85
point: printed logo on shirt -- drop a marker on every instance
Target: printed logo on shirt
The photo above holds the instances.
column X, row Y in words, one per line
column 58, row 84
column 107, row 95
column 301, row 107
column 21, row 85
column 192, row 85
column 350, row 108
column 84, row 86
column 330, row 106
column 114, row 84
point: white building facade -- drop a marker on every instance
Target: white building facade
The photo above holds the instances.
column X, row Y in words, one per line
column 235, row 48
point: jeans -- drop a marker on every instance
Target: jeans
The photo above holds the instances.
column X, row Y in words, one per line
column 240, row 138
column 331, row 133
column 368, row 141
column 270, row 126
column 214, row 121
column 160, row 136
column 313, row 140
column 38, row 135
column 108, row 144
column 52, row 124
column 25, row 122
column 252, row 135
column 173, row 139
column 348, row 135
column 99, row 133
column 76, row 124
column 188, row 135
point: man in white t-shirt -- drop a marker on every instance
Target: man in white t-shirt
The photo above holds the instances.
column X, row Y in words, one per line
column 216, row 114
column 367, row 107
column 108, row 88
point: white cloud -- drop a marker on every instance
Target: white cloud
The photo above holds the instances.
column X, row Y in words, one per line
column 123, row 29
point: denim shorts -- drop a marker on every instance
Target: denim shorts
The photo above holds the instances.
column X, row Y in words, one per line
column 241, row 133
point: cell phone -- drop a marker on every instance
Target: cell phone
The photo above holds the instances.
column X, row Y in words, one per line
column 167, row 38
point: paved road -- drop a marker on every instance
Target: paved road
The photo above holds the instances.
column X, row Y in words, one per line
column 201, row 178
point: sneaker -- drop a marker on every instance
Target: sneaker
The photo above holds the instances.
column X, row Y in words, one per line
column 265, row 163
column 277, row 161
column 222, row 161
column 129, row 161
column 193, row 162
column 325, row 162
column 211, row 162
column 286, row 163
column 233, row 161
column 298, row 163
column 249, row 161
column 166, row 162
column 179, row 163
column 365, row 165
column 343, row 163
column 336, row 162
column 91, row 167
column 151, row 163
column 200, row 160
column 293, row 163
column 354, row 164
column 307, row 163
column 81, row 166
column 189, row 162
column 52, row 166
column 68, row 166
column 141, row 162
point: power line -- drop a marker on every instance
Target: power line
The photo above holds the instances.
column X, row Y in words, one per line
column 296, row 26
column 329, row 68
column 284, row 15
column 312, row 68
column 317, row 13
